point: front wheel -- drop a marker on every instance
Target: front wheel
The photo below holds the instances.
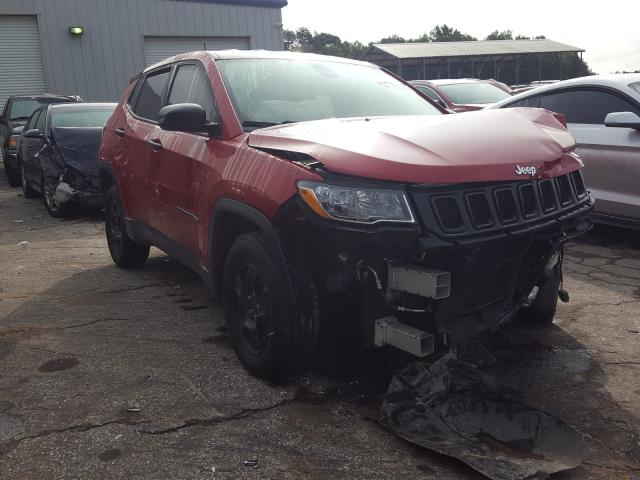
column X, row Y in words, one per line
column 125, row 252
column 274, row 331
column 55, row 209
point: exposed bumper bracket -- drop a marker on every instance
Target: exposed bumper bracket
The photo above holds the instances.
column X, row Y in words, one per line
column 390, row 331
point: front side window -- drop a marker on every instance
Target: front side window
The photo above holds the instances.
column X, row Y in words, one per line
column 41, row 121
column 150, row 97
column 273, row 91
column 32, row 121
column 191, row 85
column 475, row 93
column 533, row 102
column 586, row 106
column 86, row 117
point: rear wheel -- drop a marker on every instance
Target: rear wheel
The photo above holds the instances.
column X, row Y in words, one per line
column 125, row 252
column 12, row 176
column 274, row 331
column 543, row 308
column 55, row 209
column 27, row 190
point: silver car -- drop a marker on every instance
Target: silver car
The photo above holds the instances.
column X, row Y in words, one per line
column 603, row 115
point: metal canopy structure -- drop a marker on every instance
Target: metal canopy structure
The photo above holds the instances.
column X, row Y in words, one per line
column 486, row 58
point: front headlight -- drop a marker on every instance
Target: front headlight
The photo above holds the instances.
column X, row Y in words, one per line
column 353, row 204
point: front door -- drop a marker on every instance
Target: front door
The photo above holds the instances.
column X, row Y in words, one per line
column 180, row 169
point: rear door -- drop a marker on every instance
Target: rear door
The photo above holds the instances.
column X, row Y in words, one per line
column 611, row 155
column 179, row 171
column 140, row 146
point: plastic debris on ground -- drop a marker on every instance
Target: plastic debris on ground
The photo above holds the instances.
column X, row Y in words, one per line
column 453, row 408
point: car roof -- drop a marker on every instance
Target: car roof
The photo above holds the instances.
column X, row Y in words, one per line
column 618, row 81
column 258, row 54
column 44, row 96
column 452, row 81
column 71, row 106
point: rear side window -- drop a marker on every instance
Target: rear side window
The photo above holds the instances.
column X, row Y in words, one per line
column 586, row 106
column 150, row 98
column 133, row 98
column 191, row 85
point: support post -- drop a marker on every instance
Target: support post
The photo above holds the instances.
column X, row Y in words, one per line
column 539, row 67
column 517, row 70
column 424, row 68
column 400, row 68
column 448, row 68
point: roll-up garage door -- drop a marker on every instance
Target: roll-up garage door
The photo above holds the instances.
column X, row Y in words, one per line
column 21, row 66
column 159, row 48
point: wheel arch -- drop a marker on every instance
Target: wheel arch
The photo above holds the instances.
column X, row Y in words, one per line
column 231, row 218
column 106, row 179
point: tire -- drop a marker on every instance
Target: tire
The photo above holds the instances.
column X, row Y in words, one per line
column 274, row 331
column 54, row 208
column 13, row 177
column 543, row 308
column 125, row 252
column 27, row 190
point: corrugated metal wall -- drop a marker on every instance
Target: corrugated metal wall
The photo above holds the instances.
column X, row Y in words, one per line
column 99, row 64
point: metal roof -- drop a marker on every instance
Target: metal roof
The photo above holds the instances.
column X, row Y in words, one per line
column 252, row 3
column 474, row 48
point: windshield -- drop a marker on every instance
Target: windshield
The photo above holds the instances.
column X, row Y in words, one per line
column 268, row 91
column 473, row 93
column 23, row 108
column 81, row 117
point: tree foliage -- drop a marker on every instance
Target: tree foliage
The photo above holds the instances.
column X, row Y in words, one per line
column 303, row 40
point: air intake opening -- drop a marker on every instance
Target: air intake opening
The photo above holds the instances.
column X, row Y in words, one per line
column 548, row 196
column 449, row 213
column 506, row 203
column 564, row 190
column 480, row 210
column 528, row 201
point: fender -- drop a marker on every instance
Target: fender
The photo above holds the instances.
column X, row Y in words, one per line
column 106, row 169
column 262, row 224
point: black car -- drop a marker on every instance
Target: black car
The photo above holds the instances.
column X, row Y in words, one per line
column 58, row 154
column 17, row 111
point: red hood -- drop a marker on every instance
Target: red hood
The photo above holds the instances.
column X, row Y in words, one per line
column 487, row 145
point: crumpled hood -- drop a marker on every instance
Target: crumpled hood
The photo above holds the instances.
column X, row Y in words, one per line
column 488, row 145
column 76, row 148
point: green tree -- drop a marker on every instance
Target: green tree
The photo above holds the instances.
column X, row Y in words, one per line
column 496, row 35
column 393, row 39
column 444, row 33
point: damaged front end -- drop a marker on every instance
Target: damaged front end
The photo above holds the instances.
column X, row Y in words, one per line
column 454, row 262
column 70, row 169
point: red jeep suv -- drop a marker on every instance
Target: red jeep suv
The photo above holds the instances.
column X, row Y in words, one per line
column 298, row 185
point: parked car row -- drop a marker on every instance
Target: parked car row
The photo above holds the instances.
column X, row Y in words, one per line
column 51, row 149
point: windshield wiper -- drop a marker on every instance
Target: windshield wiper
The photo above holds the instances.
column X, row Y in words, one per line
column 257, row 124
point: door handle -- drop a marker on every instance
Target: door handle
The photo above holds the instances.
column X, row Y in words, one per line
column 156, row 145
column 119, row 132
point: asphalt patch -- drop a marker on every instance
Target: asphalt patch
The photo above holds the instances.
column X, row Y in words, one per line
column 110, row 454
column 58, row 364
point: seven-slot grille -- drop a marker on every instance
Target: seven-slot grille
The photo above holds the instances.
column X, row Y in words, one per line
column 504, row 204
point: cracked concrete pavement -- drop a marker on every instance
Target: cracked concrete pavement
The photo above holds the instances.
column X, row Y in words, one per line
column 112, row 374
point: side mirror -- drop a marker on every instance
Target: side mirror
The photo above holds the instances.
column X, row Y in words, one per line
column 33, row 133
column 623, row 120
column 186, row 117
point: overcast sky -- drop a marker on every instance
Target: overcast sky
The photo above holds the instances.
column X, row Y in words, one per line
column 608, row 31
